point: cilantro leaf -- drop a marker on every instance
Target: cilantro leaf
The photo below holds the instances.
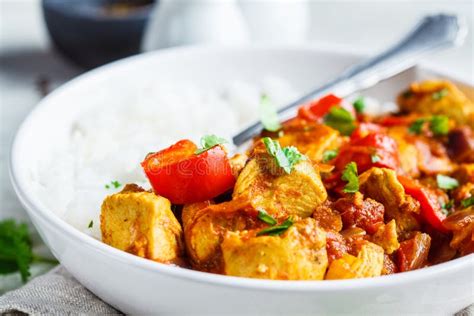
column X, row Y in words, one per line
column 15, row 248
column 468, row 202
column 277, row 230
column 438, row 95
column 268, row 115
column 445, row 182
column 439, row 125
column 417, row 126
column 286, row 158
column 329, row 155
column 210, row 141
column 341, row 120
column 265, row 217
column 351, row 177
column 359, row 105
column 91, row 223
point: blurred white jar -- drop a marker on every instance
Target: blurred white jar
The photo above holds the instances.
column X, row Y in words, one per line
column 186, row 22
column 277, row 21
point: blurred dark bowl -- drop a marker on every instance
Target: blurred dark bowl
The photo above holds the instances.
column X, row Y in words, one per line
column 94, row 32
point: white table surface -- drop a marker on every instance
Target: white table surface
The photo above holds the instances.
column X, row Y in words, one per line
column 26, row 56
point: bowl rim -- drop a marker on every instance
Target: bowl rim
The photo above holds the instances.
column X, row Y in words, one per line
column 61, row 226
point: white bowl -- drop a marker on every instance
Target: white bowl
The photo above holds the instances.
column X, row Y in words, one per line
column 139, row 286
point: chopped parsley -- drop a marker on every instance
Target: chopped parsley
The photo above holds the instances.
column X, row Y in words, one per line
column 448, row 206
column 268, row 115
column 115, row 184
column 438, row 95
column 351, row 177
column 341, row 120
column 210, row 141
column 16, row 254
column 277, row 230
column 91, row 223
column 439, row 125
column 265, row 217
column 359, row 105
column 446, row 183
column 286, row 158
column 329, row 155
column 468, row 202
column 417, row 126
column 374, row 158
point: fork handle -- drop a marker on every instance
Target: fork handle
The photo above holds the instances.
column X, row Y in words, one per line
column 433, row 33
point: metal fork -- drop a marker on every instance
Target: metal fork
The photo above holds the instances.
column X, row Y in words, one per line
column 433, row 33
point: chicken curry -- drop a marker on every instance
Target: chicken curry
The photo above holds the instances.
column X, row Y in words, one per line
column 333, row 193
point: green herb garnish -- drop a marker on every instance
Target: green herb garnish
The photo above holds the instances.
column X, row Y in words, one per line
column 446, row 183
column 329, row 155
column 351, row 177
column 268, row 115
column 374, row 158
column 359, row 105
column 417, row 126
column 438, row 95
column 286, row 158
column 91, row 223
column 208, row 142
column 277, row 230
column 468, row 202
column 448, row 206
column 341, row 120
column 114, row 184
column 265, row 217
column 439, row 125
column 15, row 249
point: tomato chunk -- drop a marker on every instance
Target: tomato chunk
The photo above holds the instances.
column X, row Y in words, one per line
column 180, row 175
column 413, row 253
column 430, row 207
column 372, row 150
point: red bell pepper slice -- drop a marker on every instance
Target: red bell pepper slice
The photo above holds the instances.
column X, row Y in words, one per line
column 430, row 208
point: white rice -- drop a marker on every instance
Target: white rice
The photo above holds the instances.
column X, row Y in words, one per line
column 109, row 143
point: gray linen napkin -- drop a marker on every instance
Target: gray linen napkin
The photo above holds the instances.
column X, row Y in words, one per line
column 58, row 293
column 55, row 293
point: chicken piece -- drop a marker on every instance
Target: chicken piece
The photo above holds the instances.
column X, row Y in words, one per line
column 298, row 193
column 143, row 224
column 237, row 163
column 298, row 254
column 386, row 237
column 420, row 154
column 205, row 227
column 311, row 139
column 434, row 97
column 359, row 212
column 368, row 263
column 383, row 186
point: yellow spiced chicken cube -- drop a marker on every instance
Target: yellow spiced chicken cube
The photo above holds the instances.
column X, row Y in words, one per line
column 297, row 254
column 143, row 224
column 268, row 187
column 367, row 264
